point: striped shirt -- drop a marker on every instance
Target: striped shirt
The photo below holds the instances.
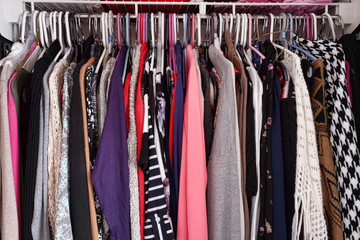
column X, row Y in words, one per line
column 157, row 222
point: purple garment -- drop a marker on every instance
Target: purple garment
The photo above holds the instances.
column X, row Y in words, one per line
column 110, row 176
column 348, row 83
column 178, row 118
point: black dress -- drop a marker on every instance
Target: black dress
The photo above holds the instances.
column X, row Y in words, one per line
column 40, row 68
column 266, row 187
column 79, row 196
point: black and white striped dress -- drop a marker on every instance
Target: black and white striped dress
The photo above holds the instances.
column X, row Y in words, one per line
column 157, row 222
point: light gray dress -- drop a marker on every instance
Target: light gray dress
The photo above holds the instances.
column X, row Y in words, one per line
column 40, row 228
column 224, row 199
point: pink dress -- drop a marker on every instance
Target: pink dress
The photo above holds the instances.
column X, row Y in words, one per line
column 192, row 220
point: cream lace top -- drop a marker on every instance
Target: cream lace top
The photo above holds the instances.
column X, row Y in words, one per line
column 55, row 129
column 308, row 197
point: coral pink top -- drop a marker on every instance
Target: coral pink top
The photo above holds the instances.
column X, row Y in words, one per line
column 14, row 139
column 192, row 220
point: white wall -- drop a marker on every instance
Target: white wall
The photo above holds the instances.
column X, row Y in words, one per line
column 10, row 10
column 356, row 17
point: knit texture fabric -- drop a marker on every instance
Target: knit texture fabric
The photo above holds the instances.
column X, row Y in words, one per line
column 308, row 195
column 330, row 192
column 343, row 138
column 132, row 151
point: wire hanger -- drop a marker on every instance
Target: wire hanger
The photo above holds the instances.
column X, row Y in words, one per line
column 271, row 31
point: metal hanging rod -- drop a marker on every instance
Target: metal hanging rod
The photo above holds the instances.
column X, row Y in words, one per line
column 201, row 6
column 180, row 16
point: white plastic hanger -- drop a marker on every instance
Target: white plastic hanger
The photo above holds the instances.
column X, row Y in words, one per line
column 60, row 35
column 68, row 35
column 331, row 23
column 174, row 40
column 128, row 45
column 103, row 33
column 198, row 29
column 220, row 27
column 226, row 16
column 152, row 44
column 184, row 28
column 111, row 30
column 315, row 25
column 118, row 20
column 55, row 18
column 245, row 29
column 42, row 40
column 34, row 18
column 162, row 42
column 61, row 39
column 45, row 25
column 106, row 29
column 231, row 22
column 176, row 28
column 51, row 25
column 238, row 23
column 271, row 22
column 23, row 26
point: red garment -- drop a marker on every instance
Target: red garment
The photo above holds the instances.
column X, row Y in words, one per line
column 139, row 116
column 171, row 130
column 126, row 98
